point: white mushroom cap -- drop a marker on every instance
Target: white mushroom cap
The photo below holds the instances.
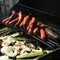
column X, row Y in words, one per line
column 4, row 49
column 4, row 58
column 25, row 48
column 12, row 54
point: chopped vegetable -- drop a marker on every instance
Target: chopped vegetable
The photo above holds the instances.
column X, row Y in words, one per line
column 4, row 29
column 20, row 38
column 28, row 55
column 5, row 58
column 21, row 47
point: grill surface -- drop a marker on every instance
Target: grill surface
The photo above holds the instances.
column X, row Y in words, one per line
column 46, row 19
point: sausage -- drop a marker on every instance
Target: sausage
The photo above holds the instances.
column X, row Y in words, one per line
column 32, row 21
column 28, row 28
column 42, row 34
column 13, row 21
column 5, row 21
column 36, row 30
column 30, row 31
column 20, row 16
column 25, row 21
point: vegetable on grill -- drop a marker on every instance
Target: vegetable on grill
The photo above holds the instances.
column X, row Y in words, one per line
column 28, row 55
column 20, row 46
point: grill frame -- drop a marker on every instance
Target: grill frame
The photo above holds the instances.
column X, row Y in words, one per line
column 40, row 14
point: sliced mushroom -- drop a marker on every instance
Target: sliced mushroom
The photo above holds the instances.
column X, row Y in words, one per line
column 5, row 58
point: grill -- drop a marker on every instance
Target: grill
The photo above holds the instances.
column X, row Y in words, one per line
column 42, row 17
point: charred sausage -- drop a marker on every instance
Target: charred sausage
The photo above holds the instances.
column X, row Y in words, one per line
column 14, row 21
column 36, row 30
column 30, row 31
column 17, row 20
column 5, row 21
column 25, row 21
column 42, row 34
column 31, row 23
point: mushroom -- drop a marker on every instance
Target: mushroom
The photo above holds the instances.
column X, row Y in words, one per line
column 8, row 41
column 12, row 54
column 30, row 45
column 5, row 58
column 8, row 51
column 25, row 49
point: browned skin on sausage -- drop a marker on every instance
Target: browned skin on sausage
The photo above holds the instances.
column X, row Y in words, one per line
column 30, row 31
column 17, row 20
column 32, row 21
column 30, row 26
column 14, row 21
column 25, row 21
column 20, row 16
column 36, row 30
column 3, row 21
column 6, row 21
column 42, row 34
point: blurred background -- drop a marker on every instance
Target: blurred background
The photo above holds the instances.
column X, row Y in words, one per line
column 5, row 6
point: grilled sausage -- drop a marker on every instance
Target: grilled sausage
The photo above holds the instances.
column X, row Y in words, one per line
column 5, row 21
column 14, row 21
column 36, row 30
column 30, row 31
column 20, row 16
column 25, row 21
column 17, row 20
column 32, row 21
column 42, row 34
